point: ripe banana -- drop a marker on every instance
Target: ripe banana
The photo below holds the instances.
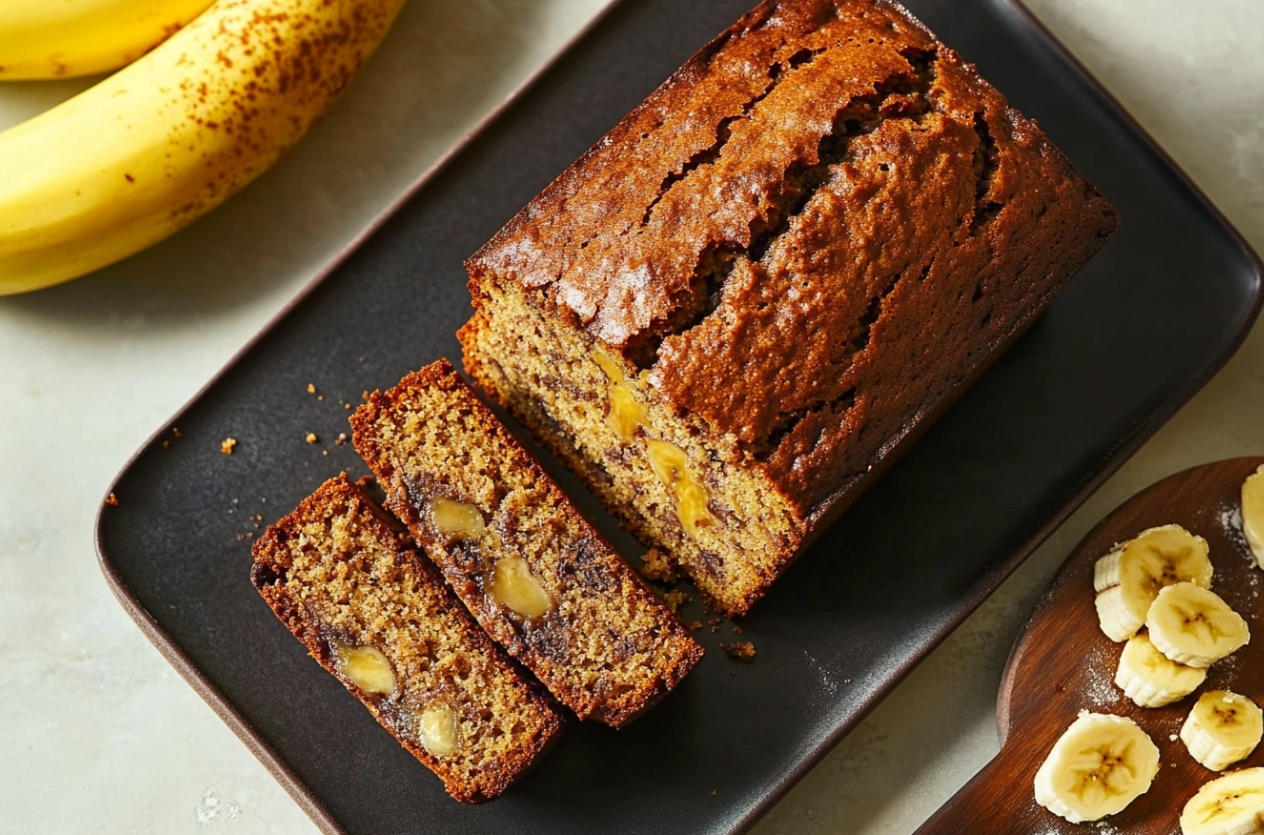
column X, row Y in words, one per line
column 1222, row 729
column 1096, row 768
column 1150, row 678
column 166, row 139
column 1193, row 626
column 65, row 38
column 1253, row 513
column 1129, row 578
column 1229, row 805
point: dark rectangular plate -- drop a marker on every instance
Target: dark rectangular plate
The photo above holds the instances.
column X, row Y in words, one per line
column 1130, row 340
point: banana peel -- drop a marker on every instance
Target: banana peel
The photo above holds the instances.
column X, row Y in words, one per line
column 168, row 138
column 69, row 38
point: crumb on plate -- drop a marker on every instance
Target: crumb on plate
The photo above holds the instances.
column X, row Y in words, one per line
column 674, row 599
column 658, row 566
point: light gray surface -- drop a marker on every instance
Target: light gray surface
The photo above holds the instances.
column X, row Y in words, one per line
column 99, row 735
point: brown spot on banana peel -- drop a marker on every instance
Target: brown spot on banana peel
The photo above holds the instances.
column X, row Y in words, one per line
column 282, row 54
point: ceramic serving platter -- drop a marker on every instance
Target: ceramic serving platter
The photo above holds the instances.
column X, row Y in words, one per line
column 1113, row 358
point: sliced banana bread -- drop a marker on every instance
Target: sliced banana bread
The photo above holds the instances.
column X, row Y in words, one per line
column 371, row 610
column 732, row 312
column 531, row 569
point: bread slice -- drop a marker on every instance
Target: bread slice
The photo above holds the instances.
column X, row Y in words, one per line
column 733, row 312
column 373, row 613
column 531, row 569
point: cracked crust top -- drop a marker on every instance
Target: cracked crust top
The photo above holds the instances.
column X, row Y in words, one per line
column 747, row 233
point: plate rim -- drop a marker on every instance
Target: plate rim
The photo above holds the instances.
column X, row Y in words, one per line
column 1113, row 460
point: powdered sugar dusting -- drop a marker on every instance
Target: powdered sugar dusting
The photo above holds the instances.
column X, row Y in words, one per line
column 1222, row 674
column 1243, row 594
column 1102, row 827
column 1099, row 678
column 829, row 685
column 1230, row 518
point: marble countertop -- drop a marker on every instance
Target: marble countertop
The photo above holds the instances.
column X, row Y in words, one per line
column 100, row 735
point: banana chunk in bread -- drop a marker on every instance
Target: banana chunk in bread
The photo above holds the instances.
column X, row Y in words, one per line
column 371, row 610
column 531, row 569
column 732, row 312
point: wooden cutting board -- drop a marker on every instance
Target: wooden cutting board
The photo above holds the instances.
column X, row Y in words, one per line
column 1062, row 664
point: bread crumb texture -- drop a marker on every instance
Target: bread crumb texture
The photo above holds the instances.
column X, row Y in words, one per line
column 531, row 569
column 373, row 613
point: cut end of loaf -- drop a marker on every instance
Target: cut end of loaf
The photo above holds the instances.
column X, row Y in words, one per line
column 551, row 380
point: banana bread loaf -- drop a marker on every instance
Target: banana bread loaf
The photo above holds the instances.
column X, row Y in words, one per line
column 530, row 568
column 370, row 609
column 732, row 312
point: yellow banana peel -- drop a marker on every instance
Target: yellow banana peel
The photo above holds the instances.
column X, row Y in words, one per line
column 166, row 139
column 67, row 38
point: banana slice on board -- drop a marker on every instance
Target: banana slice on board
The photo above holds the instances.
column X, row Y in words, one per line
column 1193, row 626
column 1129, row 578
column 1253, row 513
column 1150, row 678
column 1096, row 768
column 1229, row 805
column 1222, row 728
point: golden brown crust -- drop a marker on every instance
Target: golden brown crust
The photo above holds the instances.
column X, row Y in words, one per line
column 608, row 648
column 810, row 235
column 337, row 570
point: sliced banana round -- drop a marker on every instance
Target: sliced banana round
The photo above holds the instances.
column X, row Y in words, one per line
column 1229, row 805
column 1096, row 768
column 1253, row 513
column 1222, row 728
column 1193, row 626
column 1129, row 578
column 1150, row 678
